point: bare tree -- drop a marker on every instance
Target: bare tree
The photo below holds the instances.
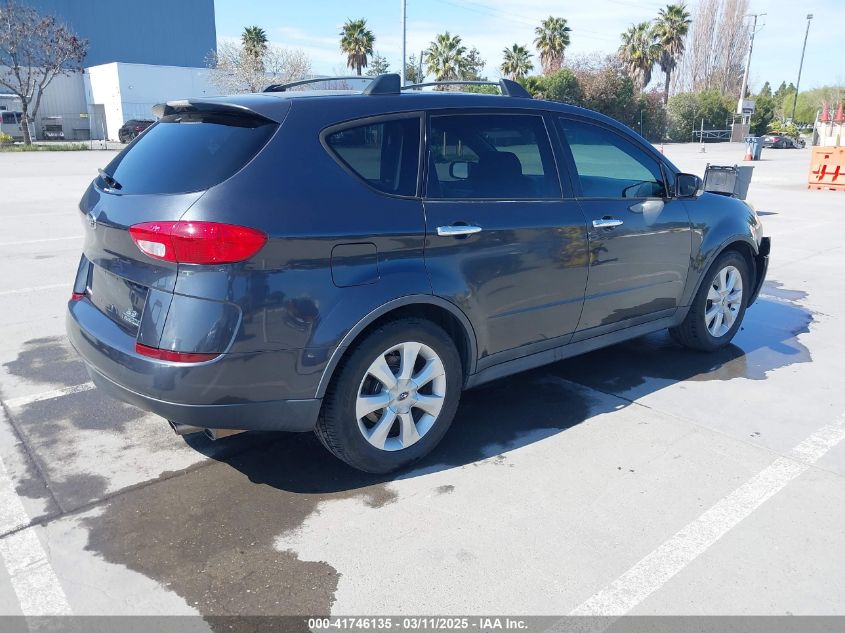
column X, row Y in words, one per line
column 715, row 48
column 34, row 48
column 234, row 69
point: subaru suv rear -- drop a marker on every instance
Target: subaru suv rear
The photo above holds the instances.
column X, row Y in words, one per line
column 348, row 263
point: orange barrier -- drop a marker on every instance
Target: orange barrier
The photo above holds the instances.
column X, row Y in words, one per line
column 827, row 169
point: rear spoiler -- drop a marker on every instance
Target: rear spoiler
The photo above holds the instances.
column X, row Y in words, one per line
column 258, row 110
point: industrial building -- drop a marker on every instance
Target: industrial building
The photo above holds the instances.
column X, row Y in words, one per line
column 137, row 56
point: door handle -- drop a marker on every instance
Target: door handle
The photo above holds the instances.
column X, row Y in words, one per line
column 607, row 223
column 456, row 230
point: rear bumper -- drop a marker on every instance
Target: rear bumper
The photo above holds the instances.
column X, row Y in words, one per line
column 233, row 391
column 274, row 415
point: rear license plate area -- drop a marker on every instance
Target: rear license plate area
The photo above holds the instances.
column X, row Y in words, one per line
column 122, row 300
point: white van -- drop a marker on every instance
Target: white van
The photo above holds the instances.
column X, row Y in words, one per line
column 10, row 123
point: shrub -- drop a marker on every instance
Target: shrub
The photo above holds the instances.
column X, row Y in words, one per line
column 5, row 139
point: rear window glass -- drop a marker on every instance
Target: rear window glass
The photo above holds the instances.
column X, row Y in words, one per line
column 384, row 154
column 188, row 152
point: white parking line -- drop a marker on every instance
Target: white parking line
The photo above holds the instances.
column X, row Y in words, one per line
column 20, row 291
column 22, row 401
column 33, row 579
column 46, row 239
column 657, row 568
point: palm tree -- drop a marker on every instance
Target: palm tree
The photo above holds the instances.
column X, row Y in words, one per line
column 551, row 41
column 356, row 40
column 254, row 40
column 445, row 57
column 517, row 62
column 670, row 29
column 639, row 53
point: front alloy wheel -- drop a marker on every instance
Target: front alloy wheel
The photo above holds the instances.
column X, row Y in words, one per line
column 716, row 312
column 724, row 300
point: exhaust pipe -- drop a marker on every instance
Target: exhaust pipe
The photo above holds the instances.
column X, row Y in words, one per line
column 184, row 429
column 216, row 434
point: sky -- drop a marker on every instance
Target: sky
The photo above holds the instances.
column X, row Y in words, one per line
column 491, row 25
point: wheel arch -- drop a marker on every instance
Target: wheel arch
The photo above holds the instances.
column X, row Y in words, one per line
column 435, row 309
column 745, row 246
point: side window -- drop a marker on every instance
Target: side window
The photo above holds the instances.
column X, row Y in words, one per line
column 384, row 154
column 610, row 166
column 484, row 156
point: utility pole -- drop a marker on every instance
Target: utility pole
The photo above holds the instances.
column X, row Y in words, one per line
column 801, row 65
column 748, row 61
column 404, row 33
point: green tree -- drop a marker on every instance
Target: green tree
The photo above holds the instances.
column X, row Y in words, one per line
column 473, row 65
column 639, row 52
column 516, row 62
column 686, row 110
column 254, row 41
column 356, row 42
column 445, row 57
column 551, row 42
column 562, row 86
column 810, row 102
column 378, row 65
column 764, row 111
column 606, row 87
column 413, row 72
column 670, row 32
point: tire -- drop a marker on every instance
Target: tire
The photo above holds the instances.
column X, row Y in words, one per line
column 699, row 332
column 412, row 431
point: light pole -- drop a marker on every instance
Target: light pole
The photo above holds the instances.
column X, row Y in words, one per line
column 748, row 61
column 801, row 65
column 404, row 31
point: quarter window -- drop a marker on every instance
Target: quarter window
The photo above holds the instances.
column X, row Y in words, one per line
column 610, row 166
column 384, row 154
column 491, row 156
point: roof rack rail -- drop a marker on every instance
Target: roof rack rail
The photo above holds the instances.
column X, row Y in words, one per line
column 508, row 87
column 305, row 82
column 382, row 84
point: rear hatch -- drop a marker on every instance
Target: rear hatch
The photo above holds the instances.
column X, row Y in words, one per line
column 156, row 179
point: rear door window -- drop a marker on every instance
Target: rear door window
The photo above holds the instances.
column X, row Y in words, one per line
column 384, row 154
column 188, row 152
column 491, row 156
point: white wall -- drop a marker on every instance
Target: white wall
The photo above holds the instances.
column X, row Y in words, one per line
column 103, row 87
column 129, row 91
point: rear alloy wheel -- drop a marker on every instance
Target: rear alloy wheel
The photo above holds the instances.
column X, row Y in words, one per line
column 719, row 305
column 395, row 409
column 393, row 398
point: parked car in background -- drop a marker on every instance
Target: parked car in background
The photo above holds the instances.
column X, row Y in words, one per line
column 52, row 128
column 132, row 128
column 782, row 141
column 349, row 263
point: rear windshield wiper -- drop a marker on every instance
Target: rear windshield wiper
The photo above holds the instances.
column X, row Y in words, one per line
column 109, row 179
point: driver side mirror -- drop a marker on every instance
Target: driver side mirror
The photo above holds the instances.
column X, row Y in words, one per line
column 688, row 186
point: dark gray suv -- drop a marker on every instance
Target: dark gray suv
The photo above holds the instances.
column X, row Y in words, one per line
column 350, row 262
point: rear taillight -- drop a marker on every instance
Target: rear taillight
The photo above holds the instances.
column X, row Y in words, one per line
column 197, row 242
column 77, row 296
column 173, row 357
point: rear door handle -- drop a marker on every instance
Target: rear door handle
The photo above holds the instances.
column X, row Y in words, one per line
column 456, row 230
column 607, row 223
